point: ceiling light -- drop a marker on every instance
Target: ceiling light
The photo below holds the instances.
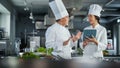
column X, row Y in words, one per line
column 25, row 2
column 118, row 20
column 33, row 21
column 26, row 8
column 31, row 16
column 109, row 3
column 74, row 9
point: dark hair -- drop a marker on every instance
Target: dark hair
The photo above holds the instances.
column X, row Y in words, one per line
column 97, row 18
column 58, row 20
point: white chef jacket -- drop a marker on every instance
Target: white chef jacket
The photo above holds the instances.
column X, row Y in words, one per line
column 55, row 36
column 92, row 50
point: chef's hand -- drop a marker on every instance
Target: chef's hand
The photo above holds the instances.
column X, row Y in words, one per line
column 93, row 39
column 77, row 36
column 66, row 42
column 85, row 43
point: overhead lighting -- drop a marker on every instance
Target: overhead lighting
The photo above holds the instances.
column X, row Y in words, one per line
column 74, row 9
column 26, row 8
column 31, row 16
column 118, row 20
column 33, row 21
column 25, row 2
column 109, row 2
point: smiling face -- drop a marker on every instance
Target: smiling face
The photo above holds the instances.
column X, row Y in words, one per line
column 64, row 21
column 92, row 19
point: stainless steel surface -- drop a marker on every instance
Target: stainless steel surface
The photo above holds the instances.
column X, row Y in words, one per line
column 3, row 46
column 34, row 43
column 116, row 37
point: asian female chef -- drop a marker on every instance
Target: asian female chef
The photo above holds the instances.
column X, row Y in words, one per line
column 93, row 47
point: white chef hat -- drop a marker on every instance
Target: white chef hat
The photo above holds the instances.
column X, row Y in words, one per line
column 58, row 9
column 95, row 9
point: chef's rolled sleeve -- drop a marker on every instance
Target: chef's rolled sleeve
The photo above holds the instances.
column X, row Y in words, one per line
column 51, row 42
column 102, row 44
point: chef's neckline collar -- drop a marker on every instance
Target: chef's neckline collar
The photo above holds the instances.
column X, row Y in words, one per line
column 60, row 24
column 95, row 26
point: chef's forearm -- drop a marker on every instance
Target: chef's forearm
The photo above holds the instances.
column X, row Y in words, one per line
column 74, row 39
column 96, row 42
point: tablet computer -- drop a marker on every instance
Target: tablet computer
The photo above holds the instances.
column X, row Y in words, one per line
column 89, row 33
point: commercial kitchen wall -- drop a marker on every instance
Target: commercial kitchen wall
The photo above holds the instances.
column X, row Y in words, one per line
column 5, row 23
column 13, row 12
column 24, row 23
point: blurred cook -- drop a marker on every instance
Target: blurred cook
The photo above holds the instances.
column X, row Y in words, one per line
column 58, row 36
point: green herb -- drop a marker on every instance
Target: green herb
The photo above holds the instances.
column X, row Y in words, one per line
column 29, row 55
column 80, row 51
column 45, row 50
column 42, row 50
column 49, row 51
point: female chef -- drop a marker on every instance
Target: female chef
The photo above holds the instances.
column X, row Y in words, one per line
column 93, row 47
